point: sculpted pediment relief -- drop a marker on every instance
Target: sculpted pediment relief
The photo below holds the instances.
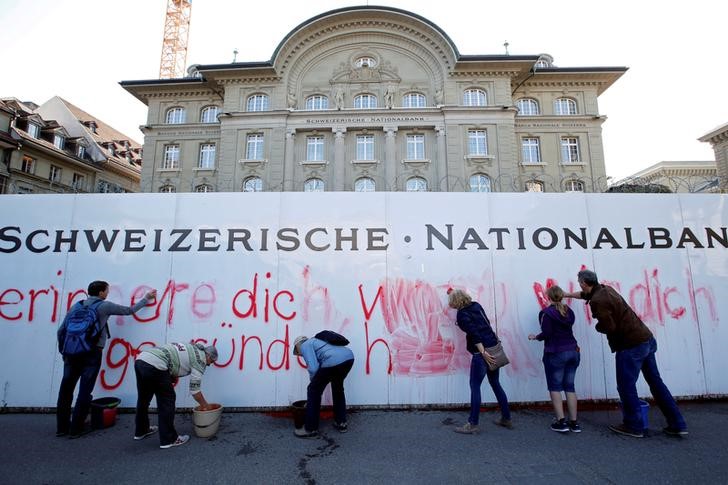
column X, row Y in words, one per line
column 384, row 72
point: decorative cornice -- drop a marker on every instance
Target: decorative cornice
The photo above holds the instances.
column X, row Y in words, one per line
column 178, row 94
column 249, row 80
column 476, row 74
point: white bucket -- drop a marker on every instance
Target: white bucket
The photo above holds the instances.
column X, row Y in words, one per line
column 207, row 422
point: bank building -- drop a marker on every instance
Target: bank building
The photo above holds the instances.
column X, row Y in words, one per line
column 375, row 99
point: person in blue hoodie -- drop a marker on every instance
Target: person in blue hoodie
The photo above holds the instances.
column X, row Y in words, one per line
column 472, row 320
column 326, row 363
column 560, row 358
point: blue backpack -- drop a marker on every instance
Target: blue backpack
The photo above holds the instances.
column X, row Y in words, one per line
column 80, row 331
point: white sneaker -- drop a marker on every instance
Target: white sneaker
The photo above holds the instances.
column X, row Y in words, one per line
column 181, row 439
column 152, row 430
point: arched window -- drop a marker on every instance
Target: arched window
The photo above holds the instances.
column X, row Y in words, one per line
column 175, row 116
column 573, row 185
column 258, row 102
column 313, row 185
column 253, row 184
column 527, row 107
column 565, row 106
column 534, row 186
column 364, row 184
column 414, row 100
column 416, row 184
column 204, row 188
column 475, row 97
column 365, row 61
column 209, row 114
column 167, row 189
column 365, row 101
column 317, row 102
column 480, row 183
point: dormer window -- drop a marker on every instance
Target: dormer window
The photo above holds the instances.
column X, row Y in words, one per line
column 33, row 130
column 111, row 148
column 59, row 141
column 80, row 151
column 91, row 126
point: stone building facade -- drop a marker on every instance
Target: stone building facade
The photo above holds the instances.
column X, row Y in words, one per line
column 58, row 148
column 375, row 98
column 718, row 139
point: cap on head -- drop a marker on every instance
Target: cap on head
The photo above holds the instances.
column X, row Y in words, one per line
column 297, row 344
column 211, row 352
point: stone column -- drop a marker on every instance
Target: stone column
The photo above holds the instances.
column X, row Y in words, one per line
column 289, row 160
column 441, row 181
column 339, row 162
column 390, row 152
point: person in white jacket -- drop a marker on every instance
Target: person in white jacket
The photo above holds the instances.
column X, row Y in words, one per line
column 156, row 371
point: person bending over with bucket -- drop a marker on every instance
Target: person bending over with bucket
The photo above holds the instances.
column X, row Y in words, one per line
column 156, row 370
column 326, row 363
column 634, row 347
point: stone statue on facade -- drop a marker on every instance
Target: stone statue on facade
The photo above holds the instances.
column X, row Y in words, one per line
column 339, row 97
column 389, row 97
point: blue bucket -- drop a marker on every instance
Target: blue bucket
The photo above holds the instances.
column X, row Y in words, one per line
column 645, row 408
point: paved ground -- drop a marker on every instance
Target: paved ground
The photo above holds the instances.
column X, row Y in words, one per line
column 400, row 447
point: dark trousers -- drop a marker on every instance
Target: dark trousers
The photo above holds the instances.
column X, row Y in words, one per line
column 335, row 375
column 152, row 382
column 84, row 367
column 478, row 370
column 629, row 363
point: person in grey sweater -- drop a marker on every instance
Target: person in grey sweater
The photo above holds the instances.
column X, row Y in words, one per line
column 85, row 367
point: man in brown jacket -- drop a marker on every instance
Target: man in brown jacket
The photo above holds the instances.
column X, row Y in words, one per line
column 634, row 347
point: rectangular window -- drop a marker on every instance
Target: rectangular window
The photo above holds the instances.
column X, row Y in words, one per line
column 80, row 151
column 315, row 148
column 55, row 174
column 477, row 143
column 33, row 130
column 171, row 157
column 415, row 147
column 365, row 147
column 207, row 156
column 254, row 147
column 79, row 181
column 530, row 150
column 569, row 150
column 28, row 165
column 104, row 187
column 59, row 141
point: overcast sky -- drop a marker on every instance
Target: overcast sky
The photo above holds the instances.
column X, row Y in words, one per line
column 673, row 93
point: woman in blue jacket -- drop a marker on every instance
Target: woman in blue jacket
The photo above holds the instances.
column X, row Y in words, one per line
column 472, row 320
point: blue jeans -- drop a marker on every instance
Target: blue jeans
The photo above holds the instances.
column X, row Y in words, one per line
column 335, row 375
column 84, row 367
column 478, row 371
column 629, row 364
column 560, row 368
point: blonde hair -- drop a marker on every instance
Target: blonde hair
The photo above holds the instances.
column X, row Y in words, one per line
column 458, row 299
column 556, row 294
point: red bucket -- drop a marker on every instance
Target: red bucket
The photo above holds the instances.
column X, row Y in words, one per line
column 103, row 412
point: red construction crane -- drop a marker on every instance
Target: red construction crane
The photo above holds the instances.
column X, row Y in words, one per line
column 174, row 44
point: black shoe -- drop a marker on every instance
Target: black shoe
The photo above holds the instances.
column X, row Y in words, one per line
column 341, row 427
column 560, row 426
column 574, row 427
column 77, row 434
column 624, row 430
column 675, row 431
column 60, row 434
